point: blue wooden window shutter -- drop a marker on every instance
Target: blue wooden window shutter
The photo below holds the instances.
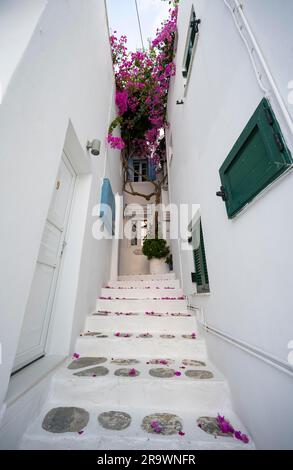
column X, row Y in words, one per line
column 108, row 208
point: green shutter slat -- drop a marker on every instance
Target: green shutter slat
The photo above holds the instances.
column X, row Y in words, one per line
column 201, row 276
column 205, row 267
column 259, row 156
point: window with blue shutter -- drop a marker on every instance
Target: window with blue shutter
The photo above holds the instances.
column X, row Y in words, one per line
column 108, row 206
column 259, row 156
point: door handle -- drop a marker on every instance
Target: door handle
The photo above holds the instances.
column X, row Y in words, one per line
column 222, row 194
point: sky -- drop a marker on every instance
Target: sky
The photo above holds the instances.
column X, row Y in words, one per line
column 123, row 19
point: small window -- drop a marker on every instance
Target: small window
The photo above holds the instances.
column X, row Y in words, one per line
column 140, row 171
column 259, row 157
column 200, row 277
column 192, row 37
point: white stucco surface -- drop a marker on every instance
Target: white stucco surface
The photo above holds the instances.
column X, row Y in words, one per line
column 61, row 93
column 249, row 258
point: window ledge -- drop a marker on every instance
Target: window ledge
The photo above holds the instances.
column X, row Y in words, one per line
column 27, row 378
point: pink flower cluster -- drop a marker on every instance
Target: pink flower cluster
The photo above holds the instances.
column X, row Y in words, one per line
column 122, row 101
column 226, row 428
column 156, row 427
column 115, row 142
column 142, row 82
column 122, row 335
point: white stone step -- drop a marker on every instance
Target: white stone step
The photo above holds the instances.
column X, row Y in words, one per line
column 95, row 437
column 178, row 393
column 173, row 283
column 139, row 347
column 147, row 277
column 142, row 322
column 141, row 293
column 141, row 305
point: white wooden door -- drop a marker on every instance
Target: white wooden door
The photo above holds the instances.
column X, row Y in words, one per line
column 32, row 342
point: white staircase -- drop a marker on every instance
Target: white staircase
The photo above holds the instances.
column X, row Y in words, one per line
column 144, row 321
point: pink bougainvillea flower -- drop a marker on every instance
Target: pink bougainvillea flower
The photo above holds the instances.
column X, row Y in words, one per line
column 224, row 425
column 178, row 373
column 245, row 439
column 116, row 142
column 193, row 335
column 132, row 372
column 117, row 334
column 156, row 427
column 76, row 356
column 181, row 433
column 241, row 437
column 122, row 101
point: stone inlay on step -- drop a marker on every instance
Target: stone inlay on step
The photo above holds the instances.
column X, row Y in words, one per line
column 86, row 362
column 199, row 374
column 192, row 336
column 124, row 362
column 162, row 423
column 193, row 363
column 210, row 426
column 126, row 372
column 114, row 420
column 95, row 334
column 162, row 373
column 145, row 335
column 163, row 362
column 62, row 420
column 92, row 333
column 93, row 372
column 167, row 336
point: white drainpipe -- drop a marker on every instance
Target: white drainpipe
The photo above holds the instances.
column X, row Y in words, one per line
column 236, row 9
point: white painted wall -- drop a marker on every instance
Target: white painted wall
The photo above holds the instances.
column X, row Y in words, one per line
column 64, row 75
column 18, row 20
column 249, row 258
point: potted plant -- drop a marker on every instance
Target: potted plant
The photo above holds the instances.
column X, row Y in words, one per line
column 156, row 250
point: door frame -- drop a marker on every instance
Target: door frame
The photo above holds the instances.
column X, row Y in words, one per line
column 47, row 325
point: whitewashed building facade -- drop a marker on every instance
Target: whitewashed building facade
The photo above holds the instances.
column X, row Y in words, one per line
column 58, row 92
column 239, row 53
column 230, row 102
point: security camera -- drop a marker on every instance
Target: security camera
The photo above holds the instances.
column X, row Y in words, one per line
column 94, row 147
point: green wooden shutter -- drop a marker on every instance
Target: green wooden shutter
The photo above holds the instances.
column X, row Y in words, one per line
column 193, row 31
column 201, row 277
column 259, row 156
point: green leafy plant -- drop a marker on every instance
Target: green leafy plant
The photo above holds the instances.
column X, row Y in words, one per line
column 169, row 260
column 155, row 248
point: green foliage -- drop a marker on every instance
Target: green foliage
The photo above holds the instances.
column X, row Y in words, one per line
column 169, row 260
column 117, row 122
column 155, row 248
